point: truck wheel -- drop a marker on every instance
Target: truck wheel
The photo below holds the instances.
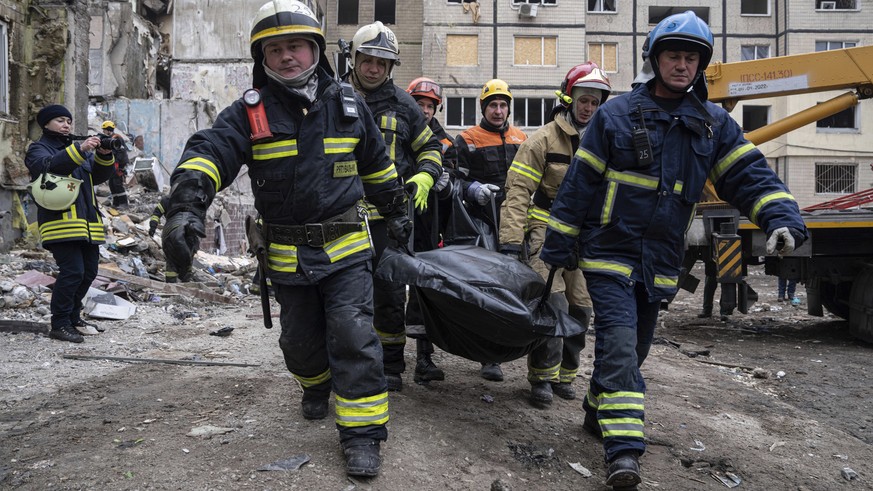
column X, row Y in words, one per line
column 835, row 297
column 861, row 320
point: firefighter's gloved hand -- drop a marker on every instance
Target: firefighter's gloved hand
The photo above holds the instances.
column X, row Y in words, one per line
column 568, row 261
column 788, row 241
column 442, row 183
column 482, row 193
column 153, row 226
column 423, row 182
column 180, row 239
column 511, row 250
column 399, row 229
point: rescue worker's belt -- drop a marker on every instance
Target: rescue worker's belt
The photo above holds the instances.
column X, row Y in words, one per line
column 541, row 200
column 315, row 234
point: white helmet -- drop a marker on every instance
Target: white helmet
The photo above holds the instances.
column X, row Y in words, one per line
column 376, row 40
column 54, row 192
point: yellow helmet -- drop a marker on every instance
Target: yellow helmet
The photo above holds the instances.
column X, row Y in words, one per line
column 108, row 125
column 494, row 87
column 54, row 192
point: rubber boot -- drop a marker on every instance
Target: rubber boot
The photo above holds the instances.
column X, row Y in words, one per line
column 315, row 401
column 395, row 383
column 425, row 369
column 541, row 395
column 491, row 371
column 363, row 460
column 624, row 471
column 564, row 390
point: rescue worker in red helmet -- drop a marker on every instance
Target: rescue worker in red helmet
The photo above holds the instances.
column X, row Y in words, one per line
column 485, row 153
column 532, row 183
column 416, row 153
column 309, row 165
column 623, row 208
column 428, row 96
column 70, row 225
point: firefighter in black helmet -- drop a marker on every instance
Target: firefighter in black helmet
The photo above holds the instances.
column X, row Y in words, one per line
column 312, row 155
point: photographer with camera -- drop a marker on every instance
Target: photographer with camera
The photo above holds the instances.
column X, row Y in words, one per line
column 70, row 226
column 116, row 183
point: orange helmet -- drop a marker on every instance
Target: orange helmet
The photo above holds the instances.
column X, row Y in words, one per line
column 425, row 87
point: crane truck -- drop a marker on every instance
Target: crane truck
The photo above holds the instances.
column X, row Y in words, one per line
column 836, row 263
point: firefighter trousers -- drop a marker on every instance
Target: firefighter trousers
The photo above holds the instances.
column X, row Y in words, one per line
column 625, row 327
column 77, row 264
column 389, row 304
column 329, row 344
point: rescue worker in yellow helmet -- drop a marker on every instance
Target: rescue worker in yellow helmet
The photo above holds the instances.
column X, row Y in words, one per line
column 485, row 153
column 532, row 182
column 416, row 153
column 72, row 234
column 312, row 155
column 116, row 182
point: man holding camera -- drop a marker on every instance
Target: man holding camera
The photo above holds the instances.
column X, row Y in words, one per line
column 118, row 199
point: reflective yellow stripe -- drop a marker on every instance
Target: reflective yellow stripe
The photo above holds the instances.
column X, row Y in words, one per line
column 282, row 258
column 593, row 400
column 381, row 176
column 613, row 401
column 537, row 213
column 666, row 281
column 567, row 376
column 677, row 187
column 389, row 123
column 432, row 155
column 549, row 374
column 591, row 160
column 346, row 245
column 74, row 154
column 526, row 170
column 423, row 137
column 277, row 149
column 564, row 228
column 366, row 411
column 753, row 215
column 730, row 159
column 313, row 381
column 110, row 160
column 340, row 145
column 632, row 179
column 64, row 229
column 605, row 266
column 632, row 427
column 608, row 203
column 205, row 166
column 387, row 338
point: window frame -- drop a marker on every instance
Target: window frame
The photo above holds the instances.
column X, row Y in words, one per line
column 463, row 125
column 854, row 129
column 542, row 39
column 4, row 67
column 829, row 43
column 544, row 3
column 768, row 3
column 603, row 66
column 357, row 12
column 817, row 180
column 767, row 119
column 819, row 6
column 756, row 46
column 545, row 109
column 703, row 12
column 385, row 21
column 602, row 9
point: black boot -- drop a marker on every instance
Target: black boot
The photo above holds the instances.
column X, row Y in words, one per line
column 363, row 460
column 591, row 425
column 491, row 371
column 425, row 369
column 395, row 383
column 624, row 470
column 66, row 333
column 314, row 404
column 541, row 395
column 564, row 390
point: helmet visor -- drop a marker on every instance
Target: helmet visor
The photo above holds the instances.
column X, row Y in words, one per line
column 425, row 87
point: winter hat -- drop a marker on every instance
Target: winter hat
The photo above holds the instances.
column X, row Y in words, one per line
column 49, row 113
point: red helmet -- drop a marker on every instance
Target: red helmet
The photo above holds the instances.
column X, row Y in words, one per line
column 587, row 74
column 425, row 87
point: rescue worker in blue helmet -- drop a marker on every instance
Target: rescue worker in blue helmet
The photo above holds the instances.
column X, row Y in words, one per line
column 623, row 208
column 312, row 154
column 417, row 155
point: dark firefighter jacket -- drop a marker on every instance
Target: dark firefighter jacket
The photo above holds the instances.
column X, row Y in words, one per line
column 485, row 154
column 411, row 144
column 450, row 153
column 630, row 219
column 315, row 166
column 161, row 208
column 61, row 156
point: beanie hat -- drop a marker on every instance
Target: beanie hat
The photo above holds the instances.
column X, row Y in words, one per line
column 49, row 113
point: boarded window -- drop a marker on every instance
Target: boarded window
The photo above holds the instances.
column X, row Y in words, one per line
column 462, row 50
column 347, row 12
column 605, row 55
column 537, row 51
column 835, row 178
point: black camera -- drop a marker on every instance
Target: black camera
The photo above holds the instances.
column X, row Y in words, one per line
column 106, row 142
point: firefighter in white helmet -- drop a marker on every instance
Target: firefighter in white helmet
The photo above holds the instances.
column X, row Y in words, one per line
column 70, row 225
column 531, row 184
column 312, row 154
column 416, row 153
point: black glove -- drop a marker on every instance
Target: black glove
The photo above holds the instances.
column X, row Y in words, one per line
column 153, row 226
column 180, row 239
column 511, row 250
column 399, row 229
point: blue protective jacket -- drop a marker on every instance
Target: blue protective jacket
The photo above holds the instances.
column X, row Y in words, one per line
column 629, row 219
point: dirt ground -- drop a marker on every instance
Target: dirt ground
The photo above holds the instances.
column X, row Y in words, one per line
column 775, row 399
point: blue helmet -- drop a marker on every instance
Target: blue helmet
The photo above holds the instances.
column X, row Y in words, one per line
column 686, row 31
